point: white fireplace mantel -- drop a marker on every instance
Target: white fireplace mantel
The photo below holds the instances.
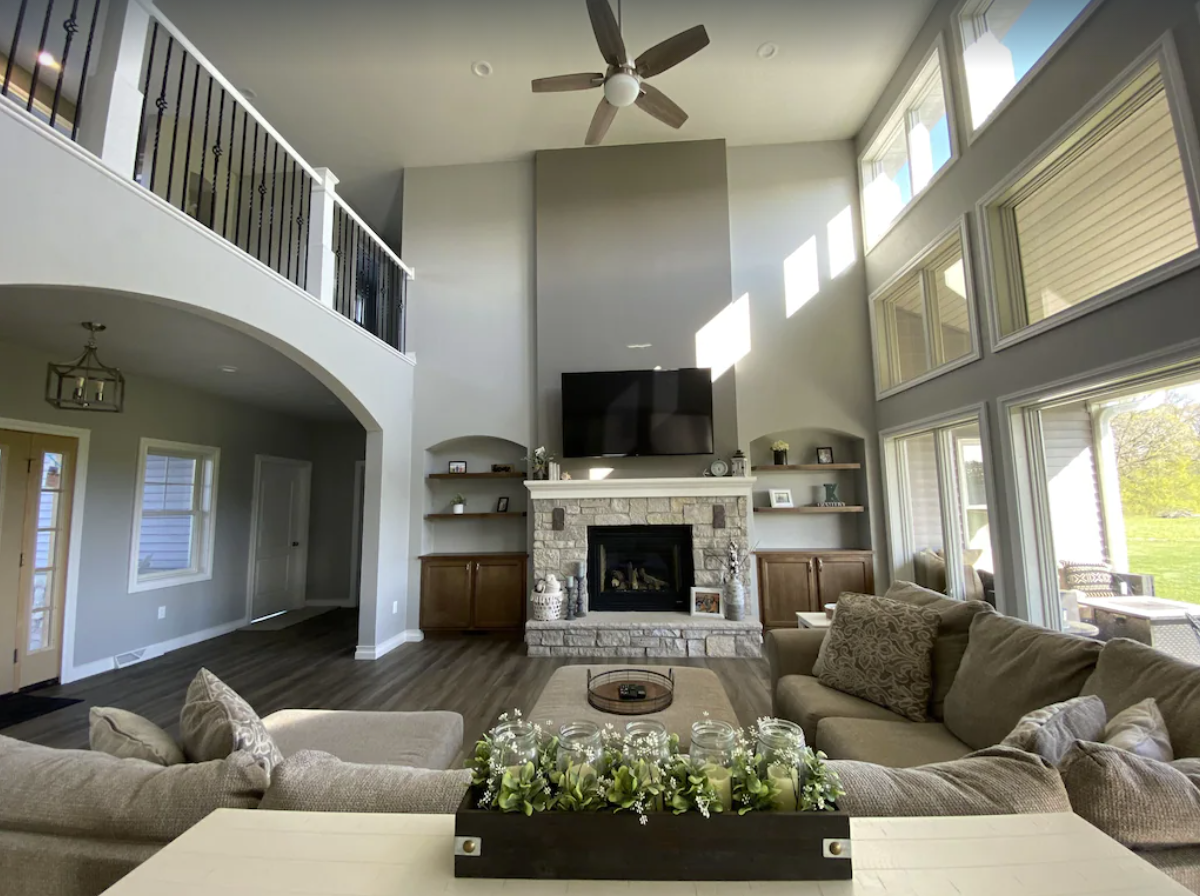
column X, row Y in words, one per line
column 676, row 487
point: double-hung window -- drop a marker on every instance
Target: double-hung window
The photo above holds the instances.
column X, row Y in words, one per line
column 911, row 147
column 175, row 515
column 924, row 317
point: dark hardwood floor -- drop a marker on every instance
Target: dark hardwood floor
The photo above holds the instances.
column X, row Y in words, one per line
column 312, row 665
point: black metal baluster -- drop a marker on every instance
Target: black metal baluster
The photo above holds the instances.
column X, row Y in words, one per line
column 187, row 160
column 141, row 143
column 403, row 346
column 83, row 75
column 237, row 225
column 377, row 287
column 12, row 50
column 37, row 62
column 271, row 220
column 229, row 167
column 217, row 151
column 291, row 219
column 71, row 26
column 262, row 190
column 183, row 61
column 204, row 154
column 306, row 185
column 343, row 255
column 338, row 278
column 161, row 105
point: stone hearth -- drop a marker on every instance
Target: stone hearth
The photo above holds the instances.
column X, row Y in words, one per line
column 640, row 635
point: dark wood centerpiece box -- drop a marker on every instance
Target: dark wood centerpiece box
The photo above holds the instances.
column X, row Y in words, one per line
column 603, row 845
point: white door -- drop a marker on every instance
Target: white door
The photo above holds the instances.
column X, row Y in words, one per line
column 279, row 551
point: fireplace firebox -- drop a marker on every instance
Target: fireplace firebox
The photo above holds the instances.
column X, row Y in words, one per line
column 639, row 567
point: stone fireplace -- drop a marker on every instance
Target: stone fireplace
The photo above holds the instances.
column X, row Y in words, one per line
column 639, row 567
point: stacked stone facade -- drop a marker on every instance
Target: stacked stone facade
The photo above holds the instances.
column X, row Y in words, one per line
column 689, row 636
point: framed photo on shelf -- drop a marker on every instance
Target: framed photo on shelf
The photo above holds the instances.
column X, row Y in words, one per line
column 458, row 466
column 824, row 455
column 707, row 602
column 781, row 497
column 502, row 505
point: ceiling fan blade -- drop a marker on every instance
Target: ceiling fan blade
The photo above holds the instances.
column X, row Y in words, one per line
column 661, row 107
column 582, row 81
column 608, row 32
column 601, row 121
column 671, row 52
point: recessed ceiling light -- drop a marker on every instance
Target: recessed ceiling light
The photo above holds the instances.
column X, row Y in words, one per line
column 482, row 68
column 46, row 59
column 248, row 93
column 640, row 345
column 227, row 368
column 768, row 50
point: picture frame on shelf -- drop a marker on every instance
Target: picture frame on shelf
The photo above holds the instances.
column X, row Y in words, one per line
column 781, row 497
column 707, row 602
column 824, row 455
column 458, row 467
column 502, row 504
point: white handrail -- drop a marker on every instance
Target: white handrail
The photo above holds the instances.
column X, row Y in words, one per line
column 363, row 224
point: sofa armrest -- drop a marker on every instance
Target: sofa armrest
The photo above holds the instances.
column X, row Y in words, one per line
column 793, row 651
column 415, row 739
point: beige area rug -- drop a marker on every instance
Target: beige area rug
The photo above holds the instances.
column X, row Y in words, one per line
column 564, row 699
column 285, row 620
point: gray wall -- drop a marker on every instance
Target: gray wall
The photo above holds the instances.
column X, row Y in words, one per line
column 335, row 447
column 1161, row 317
column 109, row 620
column 632, row 247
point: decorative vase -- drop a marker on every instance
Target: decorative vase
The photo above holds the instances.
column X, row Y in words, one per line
column 781, row 459
column 460, row 508
column 735, row 600
column 547, row 606
column 539, row 474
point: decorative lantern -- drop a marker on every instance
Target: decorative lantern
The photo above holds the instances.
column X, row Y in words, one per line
column 740, row 465
column 86, row 385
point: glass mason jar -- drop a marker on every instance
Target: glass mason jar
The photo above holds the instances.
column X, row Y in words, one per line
column 646, row 739
column 579, row 744
column 780, row 742
column 515, row 743
column 712, row 743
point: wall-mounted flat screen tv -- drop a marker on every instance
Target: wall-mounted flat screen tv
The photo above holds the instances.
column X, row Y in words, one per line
column 637, row 413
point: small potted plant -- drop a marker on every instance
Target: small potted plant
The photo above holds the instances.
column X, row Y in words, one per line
column 539, row 462
column 780, row 448
column 460, row 503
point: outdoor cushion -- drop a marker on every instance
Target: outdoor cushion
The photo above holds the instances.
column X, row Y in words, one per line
column 1093, row 579
column 1140, row 729
column 216, row 722
column 954, row 628
column 896, row 744
column 880, row 650
column 996, row 781
column 805, row 701
column 127, row 735
column 1050, row 732
column 1012, row 668
column 1129, row 672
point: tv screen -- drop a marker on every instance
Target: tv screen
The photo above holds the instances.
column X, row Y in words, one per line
column 636, row 413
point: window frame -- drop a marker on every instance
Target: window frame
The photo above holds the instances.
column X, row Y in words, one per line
column 963, row 17
column 208, row 464
column 899, row 116
column 876, row 298
column 1001, row 267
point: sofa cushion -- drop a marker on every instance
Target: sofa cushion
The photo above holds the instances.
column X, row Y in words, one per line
column 896, row 744
column 1139, row 802
column 312, row 781
column 216, row 722
column 1012, row 668
column 996, row 781
column 1139, row 729
column 47, row 865
column 1181, row 864
column 954, row 629
column 880, row 650
column 417, row 739
column 78, row 793
column 1129, row 672
column 1050, row 732
column 805, row 701
column 127, row 735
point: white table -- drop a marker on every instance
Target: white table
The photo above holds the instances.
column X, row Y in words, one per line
column 252, row 853
column 813, row 620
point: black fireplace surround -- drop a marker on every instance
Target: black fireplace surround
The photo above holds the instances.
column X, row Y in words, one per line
column 639, row 567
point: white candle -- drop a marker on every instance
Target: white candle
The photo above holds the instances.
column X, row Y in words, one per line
column 785, row 801
column 722, row 781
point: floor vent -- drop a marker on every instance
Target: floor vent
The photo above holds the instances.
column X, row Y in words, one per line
column 128, row 659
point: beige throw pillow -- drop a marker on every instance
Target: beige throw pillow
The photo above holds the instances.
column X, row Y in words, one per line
column 127, row 735
column 1140, row 729
column 216, row 722
column 1050, row 732
column 879, row 649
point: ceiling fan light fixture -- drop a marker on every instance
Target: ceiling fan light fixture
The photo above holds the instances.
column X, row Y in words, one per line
column 622, row 90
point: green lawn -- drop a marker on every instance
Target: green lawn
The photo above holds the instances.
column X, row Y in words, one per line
column 1169, row 550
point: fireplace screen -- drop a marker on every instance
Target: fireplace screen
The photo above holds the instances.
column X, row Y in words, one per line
column 639, row 567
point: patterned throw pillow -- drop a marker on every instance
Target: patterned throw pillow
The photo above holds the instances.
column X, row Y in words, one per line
column 1050, row 732
column 1093, row 579
column 880, row 650
column 1140, row 729
column 127, row 735
column 216, row 722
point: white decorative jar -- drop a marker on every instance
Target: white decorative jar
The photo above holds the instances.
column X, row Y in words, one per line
column 547, row 606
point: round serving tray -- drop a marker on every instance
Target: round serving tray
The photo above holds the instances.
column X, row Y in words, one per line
column 604, row 691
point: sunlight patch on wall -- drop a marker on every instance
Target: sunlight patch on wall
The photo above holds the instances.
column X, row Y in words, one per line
column 596, row 473
column 801, row 278
column 725, row 339
column 840, row 231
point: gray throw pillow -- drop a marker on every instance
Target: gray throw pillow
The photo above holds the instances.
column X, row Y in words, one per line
column 879, row 650
column 127, row 735
column 1140, row 729
column 1139, row 802
column 1051, row 732
column 819, row 665
column 216, row 722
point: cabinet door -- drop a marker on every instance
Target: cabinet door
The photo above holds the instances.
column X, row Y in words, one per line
column 446, row 593
column 499, row 593
column 785, row 587
column 838, row 573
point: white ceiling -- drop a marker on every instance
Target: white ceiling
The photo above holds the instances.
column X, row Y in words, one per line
column 165, row 343
column 368, row 87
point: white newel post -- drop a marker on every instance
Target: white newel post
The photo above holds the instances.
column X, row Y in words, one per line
column 112, row 109
column 320, row 237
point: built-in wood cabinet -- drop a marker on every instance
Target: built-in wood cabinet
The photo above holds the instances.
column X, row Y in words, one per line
column 791, row 582
column 473, row 592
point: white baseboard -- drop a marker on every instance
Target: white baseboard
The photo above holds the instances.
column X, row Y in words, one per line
column 374, row 652
column 87, row 670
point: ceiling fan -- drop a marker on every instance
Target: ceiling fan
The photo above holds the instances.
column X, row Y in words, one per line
column 625, row 82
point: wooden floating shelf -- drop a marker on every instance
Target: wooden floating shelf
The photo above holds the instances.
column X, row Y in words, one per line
column 848, row 509
column 476, row 476
column 472, row 516
column 804, row 468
